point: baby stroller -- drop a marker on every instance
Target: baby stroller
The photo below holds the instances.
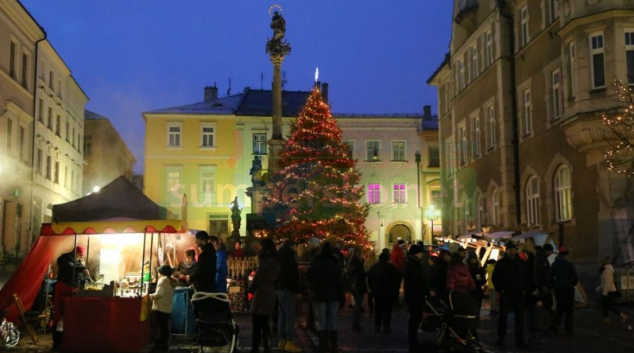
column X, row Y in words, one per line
column 217, row 331
column 454, row 324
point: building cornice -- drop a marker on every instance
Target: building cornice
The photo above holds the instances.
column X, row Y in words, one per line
column 570, row 25
column 22, row 19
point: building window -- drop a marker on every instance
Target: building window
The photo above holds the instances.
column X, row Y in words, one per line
column 58, row 125
column 40, row 111
column 477, row 135
column 373, row 148
column 436, row 198
column 38, row 161
column 73, row 137
column 532, row 201
column 563, row 204
column 597, row 66
column 553, row 11
column 629, row 55
column 67, row 131
column 66, row 176
column 398, row 150
column 528, row 112
column 49, row 119
column 463, row 145
column 207, row 134
column 491, row 127
column 495, row 201
column 524, row 26
column 434, row 156
column 56, row 174
column 571, row 68
column 174, row 135
column 50, row 80
column 374, row 193
column 49, row 167
column 88, row 145
column 461, row 82
column 480, row 211
column 399, row 193
column 259, row 144
column 558, row 104
column 24, row 70
column 489, row 49
column 9, row 135
column 173, row 179
column 450, row 150
column 13, row 49
column 22, row 143
column 349, row 148
column 207, row 176
column 475, row 69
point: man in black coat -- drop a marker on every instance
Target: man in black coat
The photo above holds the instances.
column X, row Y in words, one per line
column 416, row 288
column 564, row 278
column 286, row 289
column 511, row 279
column 383, row 281
column 204, row 277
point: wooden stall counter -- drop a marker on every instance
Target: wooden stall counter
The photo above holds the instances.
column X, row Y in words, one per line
column 105, row 325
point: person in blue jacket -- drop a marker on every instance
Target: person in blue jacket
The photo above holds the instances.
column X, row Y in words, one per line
column 220, row 285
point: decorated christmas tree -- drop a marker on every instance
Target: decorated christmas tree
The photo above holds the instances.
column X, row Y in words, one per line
column 619, row 134
column 316, row 190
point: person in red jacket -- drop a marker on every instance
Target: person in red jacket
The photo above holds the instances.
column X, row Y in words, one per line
column 397, row 257
column 458, row 276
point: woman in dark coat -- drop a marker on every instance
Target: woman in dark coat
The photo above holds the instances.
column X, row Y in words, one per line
column 185, row 268
column 263, row 289
column 478, row 274
column 325, row 278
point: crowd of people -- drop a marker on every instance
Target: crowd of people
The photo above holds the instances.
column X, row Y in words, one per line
column 537, row 285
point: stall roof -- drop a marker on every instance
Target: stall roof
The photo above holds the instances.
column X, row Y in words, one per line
column 530, row 235
column 118, row 199
column 113, row 227
column 499, row 235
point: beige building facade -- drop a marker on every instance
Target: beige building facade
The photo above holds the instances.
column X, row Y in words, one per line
column 521, row 95
column 206, row 151
column 41, row 126
column 106, row 155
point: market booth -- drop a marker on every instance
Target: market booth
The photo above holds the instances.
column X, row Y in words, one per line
column 123, row 251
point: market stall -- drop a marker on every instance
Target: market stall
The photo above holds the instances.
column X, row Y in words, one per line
column 126, row 238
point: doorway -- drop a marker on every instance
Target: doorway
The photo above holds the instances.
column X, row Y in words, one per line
column 398, row 231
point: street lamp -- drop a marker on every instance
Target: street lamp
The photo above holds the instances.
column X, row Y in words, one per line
column 432, row 214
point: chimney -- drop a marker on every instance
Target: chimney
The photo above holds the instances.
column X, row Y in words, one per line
column 211, row 93
column 427, row 112
column 324, row 91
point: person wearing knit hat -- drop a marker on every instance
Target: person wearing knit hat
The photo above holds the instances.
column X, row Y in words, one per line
column 162, row 300
column 204, row 276
column 564, row 279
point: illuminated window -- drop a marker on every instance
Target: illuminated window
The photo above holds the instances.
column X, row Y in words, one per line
column 374, row 193
column 558, row 104
column 532, row 201
column 399, row 193
column 528, row 112
column 477, row 135
column 563, row 202
column 524, row 38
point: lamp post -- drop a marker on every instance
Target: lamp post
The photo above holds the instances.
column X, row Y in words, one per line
column 432, row 214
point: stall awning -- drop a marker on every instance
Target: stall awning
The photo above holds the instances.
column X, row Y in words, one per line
column 499, row 235
column 109, row 227
column 469, row 236
column 530, row 235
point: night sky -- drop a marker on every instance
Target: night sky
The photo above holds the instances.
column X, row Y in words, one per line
column 131, row 56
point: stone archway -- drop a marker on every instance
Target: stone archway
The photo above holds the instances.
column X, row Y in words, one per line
column 395, row 231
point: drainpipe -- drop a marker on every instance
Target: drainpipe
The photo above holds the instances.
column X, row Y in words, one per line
column 35, row 96
column 515, row 120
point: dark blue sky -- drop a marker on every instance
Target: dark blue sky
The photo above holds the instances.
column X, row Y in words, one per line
column 131, row 56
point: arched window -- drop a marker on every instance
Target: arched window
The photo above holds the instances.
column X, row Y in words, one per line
column 467, row 215
column 563, row 204
column 480, row 212
column 532, row 201
column 496, row 207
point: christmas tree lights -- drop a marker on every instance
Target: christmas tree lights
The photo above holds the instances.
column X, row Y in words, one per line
column 618, row 157
column 315, row 191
